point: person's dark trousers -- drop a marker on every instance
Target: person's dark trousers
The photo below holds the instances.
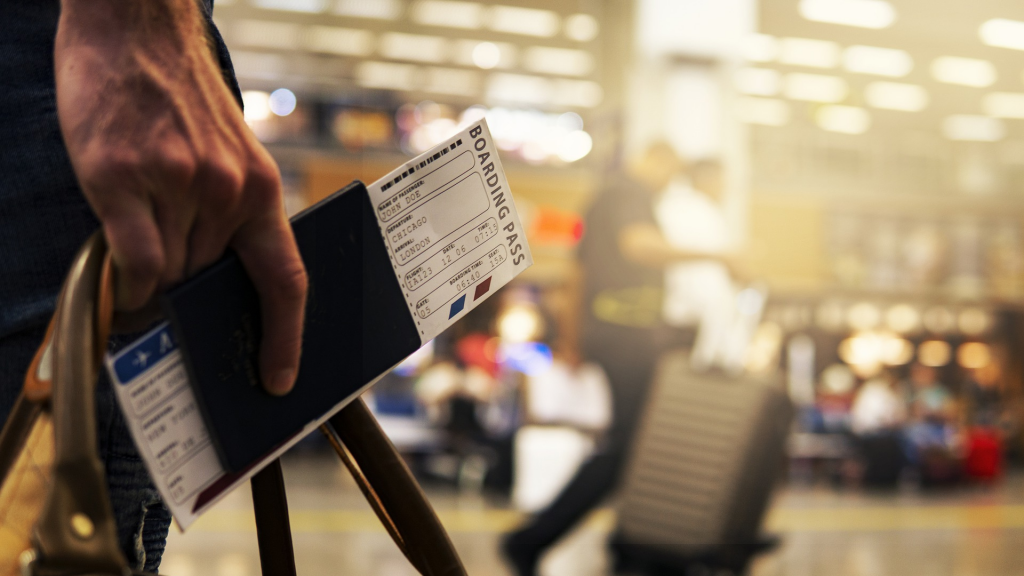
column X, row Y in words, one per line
column 629, row 376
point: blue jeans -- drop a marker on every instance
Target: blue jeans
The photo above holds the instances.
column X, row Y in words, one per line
column 44, row 219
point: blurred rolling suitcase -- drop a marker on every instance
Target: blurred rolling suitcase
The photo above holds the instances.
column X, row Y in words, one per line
column 705, row 461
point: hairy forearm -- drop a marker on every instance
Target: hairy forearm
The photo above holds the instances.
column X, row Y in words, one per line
column 105, row 24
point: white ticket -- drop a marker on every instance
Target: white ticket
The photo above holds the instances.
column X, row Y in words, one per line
column 454, row 238
column 451, row 228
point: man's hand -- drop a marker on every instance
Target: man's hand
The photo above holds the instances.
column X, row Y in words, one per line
column 169, row 166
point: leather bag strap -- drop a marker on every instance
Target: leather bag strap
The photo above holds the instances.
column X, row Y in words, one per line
column 392, row 491
column 386, row 482
column 76, row 532
column 273, row 529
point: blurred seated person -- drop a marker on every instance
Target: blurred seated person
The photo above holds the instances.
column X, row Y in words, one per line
column 930, row 401
column 834, row 399
column 984, row 397
column 877, row 407
column 876, row 418
column 931, row 440
column 572, row 392
column 991, row 424
column 456, row 394
column 622, row 253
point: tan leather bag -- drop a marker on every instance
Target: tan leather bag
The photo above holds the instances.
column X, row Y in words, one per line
column 55, row 513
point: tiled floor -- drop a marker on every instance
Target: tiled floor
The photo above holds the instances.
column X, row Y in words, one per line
column 969, row 532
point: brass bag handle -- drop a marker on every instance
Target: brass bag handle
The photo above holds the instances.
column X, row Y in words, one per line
column 76, row 532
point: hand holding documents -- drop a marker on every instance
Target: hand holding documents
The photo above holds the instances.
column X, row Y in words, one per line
column 391, row 266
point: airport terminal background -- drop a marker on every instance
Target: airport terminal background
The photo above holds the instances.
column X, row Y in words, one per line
column 868, row 156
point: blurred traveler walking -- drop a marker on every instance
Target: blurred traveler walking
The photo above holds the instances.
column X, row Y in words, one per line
column 699, row 270
column 126, row 116
column 622, row 254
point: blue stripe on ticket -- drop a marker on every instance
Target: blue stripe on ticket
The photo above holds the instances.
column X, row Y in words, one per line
column 457, row 307
column 144, row 353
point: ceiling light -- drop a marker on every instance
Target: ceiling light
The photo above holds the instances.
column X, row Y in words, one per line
column 486, row 55
column 256, row 104
column 526, row 21
column 1004, row 105
column 282, row 102
column 830, row 316
column 843, row 119
column 897, row 351
column 860, row 13
column 1003, row 33
column 758, row 81
column 519, row 88
column 815, row 87
column 763, row 111
column 570, row 121
column 974, row 321
column 973, row 355
column 896, row 96
column 863, row 316
column 760, row 48
column 343, row 41
column 582, row 27
column 559, row 61
column 258, row 64
column 879, row 61
column 577, row 93
column 938, row 319
column 448, row 13
column 903, row 318
column 386, row 75
column 964, row 71
column 934, row 353
column 377, row 9
column 470, row 53
column 520, row 323
column 870, row 350
column 267, row 34
column 310, row 6
column 454, row 81
column 837, row 379
column 414, row 47
column 809, row 52
column 575, row 146
column 973, row 128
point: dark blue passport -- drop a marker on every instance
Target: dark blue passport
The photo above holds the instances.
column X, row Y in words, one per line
column 358, row 326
